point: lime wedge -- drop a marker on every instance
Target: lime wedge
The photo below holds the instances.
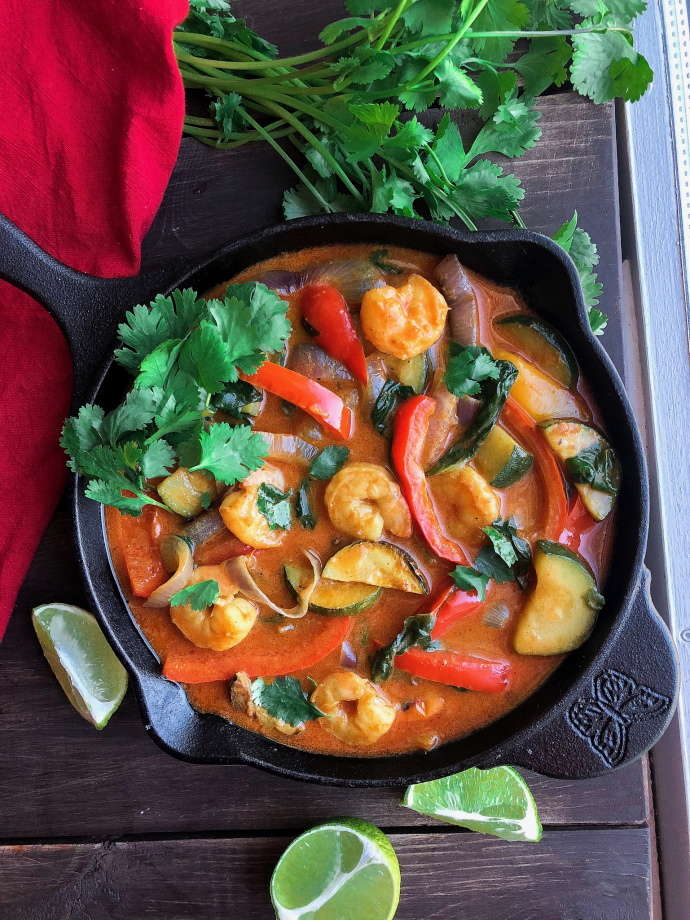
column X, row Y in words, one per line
column 345, row 869
column 83, row 662
column 494, row 802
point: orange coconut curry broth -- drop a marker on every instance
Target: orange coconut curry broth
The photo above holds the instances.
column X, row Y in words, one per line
column 429, row 535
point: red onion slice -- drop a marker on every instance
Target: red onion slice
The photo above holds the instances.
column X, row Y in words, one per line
column 352, row 277
column 237, row 571
column 185, row 566
column 282, row 282
column 348, row 659
column 463, row 316
column 313, row 362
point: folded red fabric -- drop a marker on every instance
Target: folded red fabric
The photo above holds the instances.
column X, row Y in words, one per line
column 92, row 110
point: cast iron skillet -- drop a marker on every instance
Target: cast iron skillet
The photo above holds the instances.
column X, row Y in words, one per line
column 608, row 702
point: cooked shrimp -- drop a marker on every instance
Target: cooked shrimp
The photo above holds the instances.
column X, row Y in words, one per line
column 475, row 504
column 404, row 321
column 363, row 498
column 358, row 713
column 241, row 514
column 221, row 626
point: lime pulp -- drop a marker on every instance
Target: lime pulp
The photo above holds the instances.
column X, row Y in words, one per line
column 496, row 801
column 345, row 869
column 88, row 670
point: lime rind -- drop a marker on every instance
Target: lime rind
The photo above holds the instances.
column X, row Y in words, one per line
column 496, row 802
column 87, row 669
column 342, row 870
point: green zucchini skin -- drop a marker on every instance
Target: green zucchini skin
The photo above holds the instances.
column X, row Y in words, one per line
column 568, row 438
column 412, row 373
column 346, row 607
column 519, row 463
column 564, row 366
column 561, row 612
column 377, row 565
column 466, row 446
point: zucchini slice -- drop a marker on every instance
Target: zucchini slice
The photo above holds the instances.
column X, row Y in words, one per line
column 561, row 612
column 332, row 598
column 542, row 344
column 411, row 373
column 569, row 438
column 380, row 564
column 500, row 460
column 541, row 396
column 183, row 491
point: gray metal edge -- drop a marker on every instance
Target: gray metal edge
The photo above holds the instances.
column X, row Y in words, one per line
column 658, row 150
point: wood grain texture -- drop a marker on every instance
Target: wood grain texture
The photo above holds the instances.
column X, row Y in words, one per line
column 61, row 778
column 445, row 876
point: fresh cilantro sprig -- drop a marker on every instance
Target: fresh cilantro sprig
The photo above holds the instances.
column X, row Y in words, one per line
column 416, row 633
column 578, row 244
column 284, row 699
column 181, row 350
column 199, row 596
column 347, row 104
column 467, row 367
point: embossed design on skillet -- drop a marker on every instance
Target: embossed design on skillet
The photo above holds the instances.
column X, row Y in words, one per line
column 545, row 733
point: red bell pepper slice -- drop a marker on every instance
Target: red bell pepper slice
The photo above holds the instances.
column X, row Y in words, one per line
column 189, row 664
column 457, row 669
column 409, row 432
column 325, row 309
column 578, row 523
column 140, row 552
column 556, row 509
column 458, row 604
column 326, row 407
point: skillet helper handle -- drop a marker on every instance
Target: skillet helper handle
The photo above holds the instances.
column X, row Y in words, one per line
column 620, row 710
column 87, row 309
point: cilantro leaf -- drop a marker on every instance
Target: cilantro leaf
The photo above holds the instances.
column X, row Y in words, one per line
column 133, row 414
column 467, row 368
column 285, row 700
column 483, row 191
column 230, row 454
column 605, row 66
column 544, row 64
column 81, row 433
column 199, row 596
column 148, row 327
column 336, row 29
column 449, row 149
column 467, row 579
column 268, row 319
column 226, row 114
column 108, row 494
column 457, row 89
column 206, row 358
column 430, row 17
column 157, row 459
column 329, row 461
column 416, row 632
column 303, row 508
column 583, row 252
column 498, row 16
column 275, row 506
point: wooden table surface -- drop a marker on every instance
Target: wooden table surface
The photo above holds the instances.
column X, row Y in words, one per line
column 96, row 825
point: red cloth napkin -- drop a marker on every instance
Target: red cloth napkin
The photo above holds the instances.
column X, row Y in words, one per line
column 92, row 108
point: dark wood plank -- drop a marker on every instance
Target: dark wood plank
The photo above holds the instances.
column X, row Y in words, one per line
column 62, row 778
column 601, row 875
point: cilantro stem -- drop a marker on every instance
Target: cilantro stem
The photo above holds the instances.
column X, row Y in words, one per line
column 518, row 220
column 452, row 43
column 291, row 163
column 207, row 41
column 316, row 143
column 396, row 14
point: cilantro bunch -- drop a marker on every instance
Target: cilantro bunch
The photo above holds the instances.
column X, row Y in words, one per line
column 344, row 117
column 182, row 351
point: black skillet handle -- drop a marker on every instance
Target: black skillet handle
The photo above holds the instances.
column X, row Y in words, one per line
column 87, row 309
column 620, row 710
